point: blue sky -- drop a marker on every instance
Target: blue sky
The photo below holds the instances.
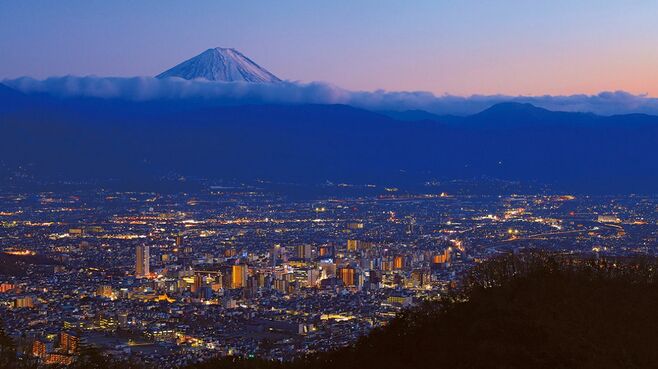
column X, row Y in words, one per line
column 459, row 47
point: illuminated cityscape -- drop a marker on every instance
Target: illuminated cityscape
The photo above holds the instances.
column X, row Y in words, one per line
column 247, row 271
column 382, row 184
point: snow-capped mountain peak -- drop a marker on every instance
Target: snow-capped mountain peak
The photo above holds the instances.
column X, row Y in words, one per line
column 221, row 64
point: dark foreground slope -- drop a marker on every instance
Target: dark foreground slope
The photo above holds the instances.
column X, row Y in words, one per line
column 537, row 312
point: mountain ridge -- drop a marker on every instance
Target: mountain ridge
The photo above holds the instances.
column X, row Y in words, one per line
column 306, row 143
column 221, row 64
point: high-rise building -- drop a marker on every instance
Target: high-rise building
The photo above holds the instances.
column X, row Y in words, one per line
column 420, row 278
column 238, row 276
column 24, row 302
column 347, row 276
column 375, row 278
column 39, row 348
column 303, row 252
column 398, row 262
column 142, row 256
column 410, row 226
column 281, row 285
column 326, row 251
column 312, row 277
column 327, row 270
column 69, row 342
column 352, row 245
column 198, row 283
column 107, row 321
column 442, row 258
column 276, row 254
column 104, row 291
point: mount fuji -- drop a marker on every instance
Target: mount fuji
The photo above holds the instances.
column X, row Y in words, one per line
column 221, row 64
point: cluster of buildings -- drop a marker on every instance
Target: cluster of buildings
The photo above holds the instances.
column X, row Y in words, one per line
column 177, row 278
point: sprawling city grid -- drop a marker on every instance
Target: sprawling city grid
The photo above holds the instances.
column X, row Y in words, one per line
column 177, row 277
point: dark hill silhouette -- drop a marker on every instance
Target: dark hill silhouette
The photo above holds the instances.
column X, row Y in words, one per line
column 6, row 91
column 510, row 108
column 524, row 115
column 139, row 142
column 420, row 115
column 11, row 99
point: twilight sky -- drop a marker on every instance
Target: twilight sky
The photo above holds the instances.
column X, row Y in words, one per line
column 462, row 47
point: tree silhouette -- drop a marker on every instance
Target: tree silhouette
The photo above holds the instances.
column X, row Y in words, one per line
column 7, row 348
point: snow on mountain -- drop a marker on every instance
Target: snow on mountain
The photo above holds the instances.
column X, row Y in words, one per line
column 221, row 64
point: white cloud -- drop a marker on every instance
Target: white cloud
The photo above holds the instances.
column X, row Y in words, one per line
column 149, row 88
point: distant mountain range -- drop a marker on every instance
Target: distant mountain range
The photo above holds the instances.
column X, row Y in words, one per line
column 88, row 138
column 221, row 64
